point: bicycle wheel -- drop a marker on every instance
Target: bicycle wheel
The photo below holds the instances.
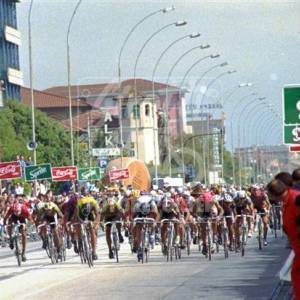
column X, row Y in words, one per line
column 51, row 249
column 17, row 250
column 225, row 243
column 243, row 241
column 64, row 249
column 81, row 251
column 188, row 241
column 209, row 244
column 116, row 248
column 87, row 252
column 89, row 249
column 259, row 235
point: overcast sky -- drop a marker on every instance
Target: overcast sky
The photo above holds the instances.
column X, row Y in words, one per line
column 259, row 39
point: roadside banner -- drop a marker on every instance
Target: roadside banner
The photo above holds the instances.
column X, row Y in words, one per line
column 10, row 170
column 39, row 172
column 120, row 174
column 87, row 174
column 64, row 173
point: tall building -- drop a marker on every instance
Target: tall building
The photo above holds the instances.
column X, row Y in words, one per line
column 11, row 78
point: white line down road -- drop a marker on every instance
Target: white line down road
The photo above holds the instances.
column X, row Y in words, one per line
column 251, row 277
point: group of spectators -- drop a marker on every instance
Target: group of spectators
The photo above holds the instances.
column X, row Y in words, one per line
column 285, row 188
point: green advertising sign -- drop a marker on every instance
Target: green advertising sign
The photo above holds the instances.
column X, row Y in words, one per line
column 291, row 104
column 87, row 174
column 291, row 134
column 39, row 172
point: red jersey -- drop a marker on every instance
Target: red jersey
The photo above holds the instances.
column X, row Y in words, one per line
column 24, row 212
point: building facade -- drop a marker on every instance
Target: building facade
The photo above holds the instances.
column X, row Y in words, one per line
column 11, row 78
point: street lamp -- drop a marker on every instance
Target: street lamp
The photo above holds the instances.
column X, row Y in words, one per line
column 191, row 36
column 176, row 24
column 31, row 81
column 69, row 80
column 163, row 10
column 212, row 56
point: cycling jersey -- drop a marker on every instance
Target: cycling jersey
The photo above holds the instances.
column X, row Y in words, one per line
column 144, row 205
column 47, row 208
column 109, row 211
column 206, row 205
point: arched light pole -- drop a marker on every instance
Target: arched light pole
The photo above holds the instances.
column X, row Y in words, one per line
column 232, row 145
column 191, row 36
column 212, row 56
column 163, row 10
column 234, row 90
column 31, row 81
column 176, row 24
column 69, row 80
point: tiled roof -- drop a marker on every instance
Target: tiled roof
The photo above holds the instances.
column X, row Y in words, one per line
column 44, row 99
column 127, row 87
column 80, row 122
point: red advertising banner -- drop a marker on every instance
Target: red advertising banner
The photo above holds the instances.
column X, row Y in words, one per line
column 295, row 148
column 10, row 170
column 64, row 173
column 120, row 174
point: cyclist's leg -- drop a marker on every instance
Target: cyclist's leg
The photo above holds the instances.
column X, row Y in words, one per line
column 108, row 237
column 229, row 222
column 265, row 220
column 238, row 231
column 93, row 236
column 137, row 235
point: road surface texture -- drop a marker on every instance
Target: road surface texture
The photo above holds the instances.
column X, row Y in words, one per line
column 251, row 277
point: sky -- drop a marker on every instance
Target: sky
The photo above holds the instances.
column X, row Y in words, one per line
column 258, row 39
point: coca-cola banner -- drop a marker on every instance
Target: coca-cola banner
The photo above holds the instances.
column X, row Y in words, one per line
column 64, row 173
column 10, row 170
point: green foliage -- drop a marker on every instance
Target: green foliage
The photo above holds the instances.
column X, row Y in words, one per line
column 16, row 130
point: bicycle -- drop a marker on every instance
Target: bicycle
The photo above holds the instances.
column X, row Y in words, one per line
column 188, row 238
column 115, row 238
column 146, row 232
column 244, row 234
column 173, row 247
column 15, row 237
column 260, row 229
column 51, row 249
column 276, row 209
column 225, row 236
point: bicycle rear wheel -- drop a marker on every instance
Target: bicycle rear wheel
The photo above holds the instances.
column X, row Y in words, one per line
column 51, row 249
column 209, row 245
column 260, row 235
column 225, row 244
column 243, row 241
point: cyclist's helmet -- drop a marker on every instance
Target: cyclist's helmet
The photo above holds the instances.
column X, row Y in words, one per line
column 145, row 208
column 242, row 194
column 86, row 209
column 228, row 198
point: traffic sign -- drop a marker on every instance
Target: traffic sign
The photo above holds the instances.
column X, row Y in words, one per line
column 106, row 152
column 87, row 174
column 291, row 114
column 120, row 174
column 291, row 134
column 295, row 148
column 291, row 104
column 39, row 172
column 103, row 162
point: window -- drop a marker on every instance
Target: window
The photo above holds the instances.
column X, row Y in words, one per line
column 136, row 111
column 124, row 112
column 147, row 110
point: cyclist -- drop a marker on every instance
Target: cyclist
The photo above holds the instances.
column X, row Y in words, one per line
column 243, row 206
column 261, row 206
column 47, row 212
column 111, row 211
column 169, row 210
column 17, row 212
column 206, row 207
column 144, row 207
column 87, row 209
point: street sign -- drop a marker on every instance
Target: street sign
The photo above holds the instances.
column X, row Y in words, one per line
column 291, row 104
column 291, row 134
column 295, row 148
column 10, row 170
column 106, row 151
column 64, row 173
column 87, row 174
column 39, row 172
column 103, row 162
column 291, row 114
column 119, row 174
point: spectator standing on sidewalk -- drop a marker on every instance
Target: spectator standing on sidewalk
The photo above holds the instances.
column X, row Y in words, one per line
column 291, row 224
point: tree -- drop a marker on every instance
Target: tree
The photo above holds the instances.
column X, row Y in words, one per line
column 16, row 130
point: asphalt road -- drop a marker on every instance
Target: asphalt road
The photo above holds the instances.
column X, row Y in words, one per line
column 251, row 277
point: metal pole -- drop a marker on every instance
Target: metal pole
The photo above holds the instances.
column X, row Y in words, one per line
column 89, row 141
column 69, row 81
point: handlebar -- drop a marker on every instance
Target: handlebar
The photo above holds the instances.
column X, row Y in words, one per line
column 112, row 222
column 170, row 221
column 143, row 220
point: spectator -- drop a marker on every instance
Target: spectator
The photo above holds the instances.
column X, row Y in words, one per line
column 19, row 189
column 291, row 224
column 286, row 178
column 296, row 179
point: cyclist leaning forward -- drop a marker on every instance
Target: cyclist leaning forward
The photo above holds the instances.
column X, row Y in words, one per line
column 17, row 212
column 46, row 212
column 111, row 211
column 262, row 206
column 144, row 207
column 206, row 206
column 87, row 209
